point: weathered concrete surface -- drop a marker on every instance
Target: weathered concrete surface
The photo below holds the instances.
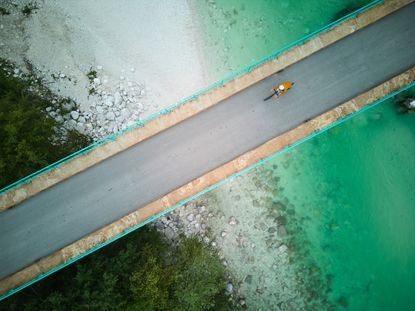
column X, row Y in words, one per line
column 196, row 186
column 188, row 110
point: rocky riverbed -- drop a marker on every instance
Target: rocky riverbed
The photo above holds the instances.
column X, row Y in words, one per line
column 241, row 220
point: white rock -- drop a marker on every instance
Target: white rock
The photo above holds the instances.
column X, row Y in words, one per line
column 59, row 118
column 169, row 233
column 62, row 75
column 190, row 217
column 223, row 234
column 229, row 288
column 97, row 81
column 68, row 106
column 125, row 113
column 232, row 221
column 80, row 127
column 132, row 69
column 99, row 109
column 48, row 109
column 99, row 67
column 282, row 249
column 16, row 71
column 110, row 116
column 71, row 123
column 122, row 78
column 117, row 98
column 74, row 114
column 81, row 119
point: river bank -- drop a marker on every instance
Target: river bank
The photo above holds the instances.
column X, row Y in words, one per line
column 113, row 60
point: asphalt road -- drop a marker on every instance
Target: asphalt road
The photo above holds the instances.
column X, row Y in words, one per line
column 104, row 193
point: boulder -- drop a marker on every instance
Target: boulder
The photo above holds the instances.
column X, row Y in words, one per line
column 74, row 114
column 232, row 221
column 229, row 288
column 125, row 113
column 111, row 100
column 190, row 217
column 110, row 116
column 282, row 249
column 117, row 98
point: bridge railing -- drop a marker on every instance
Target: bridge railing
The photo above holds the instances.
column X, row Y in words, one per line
column 190, row 98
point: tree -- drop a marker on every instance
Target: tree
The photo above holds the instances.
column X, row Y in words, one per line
column 138, row 272
column 199, row 279
column 30, row 139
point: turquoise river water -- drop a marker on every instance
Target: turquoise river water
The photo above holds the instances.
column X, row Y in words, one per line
column 238, row 32
column 352, row 223
column 350, row 191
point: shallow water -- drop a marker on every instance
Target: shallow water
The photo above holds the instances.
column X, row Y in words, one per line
column 346, row 196
column 350, row 193
column 238, row 32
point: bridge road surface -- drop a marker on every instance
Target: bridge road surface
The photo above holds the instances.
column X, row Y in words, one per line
column 143, row 173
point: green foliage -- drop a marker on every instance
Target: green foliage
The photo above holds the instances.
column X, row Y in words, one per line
column 138, row 272
column 150, row 283
column 199, row 280
column 4, row 11
column 27, row 132
column 28, row 9
column 92, row 74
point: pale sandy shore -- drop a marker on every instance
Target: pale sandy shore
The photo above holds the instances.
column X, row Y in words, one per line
column 153, row 45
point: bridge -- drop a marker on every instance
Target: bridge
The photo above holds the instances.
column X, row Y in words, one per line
column 130, row 180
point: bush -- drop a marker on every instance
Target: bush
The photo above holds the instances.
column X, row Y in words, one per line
column 27, row 133
column 139, row 272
